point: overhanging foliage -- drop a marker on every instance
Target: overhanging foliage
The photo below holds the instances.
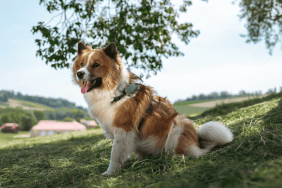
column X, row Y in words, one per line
column 142, row 30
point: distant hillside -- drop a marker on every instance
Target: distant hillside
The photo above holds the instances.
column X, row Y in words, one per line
column 190, row 107
column 49, row 102
column 26, row 105
column 27, row 114
column 223, row 95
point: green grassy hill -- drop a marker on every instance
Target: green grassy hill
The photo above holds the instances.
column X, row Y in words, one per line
column 186, row 108
column 199, row 106
column 27, row 114
column 34, row 105
column 253, row 159
column 189, row 102
column 56, row 103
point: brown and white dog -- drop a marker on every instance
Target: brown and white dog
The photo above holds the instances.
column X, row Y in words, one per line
column 139, row 121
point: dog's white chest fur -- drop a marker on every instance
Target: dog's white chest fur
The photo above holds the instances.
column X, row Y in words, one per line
column 101, row 109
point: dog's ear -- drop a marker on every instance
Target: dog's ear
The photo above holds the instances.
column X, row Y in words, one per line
column 80, row 47
column 111, row 50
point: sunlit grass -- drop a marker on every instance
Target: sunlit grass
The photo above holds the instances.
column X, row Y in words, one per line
column 189, row 102
column 34, row 105
column 187, row 109
column 253, row 159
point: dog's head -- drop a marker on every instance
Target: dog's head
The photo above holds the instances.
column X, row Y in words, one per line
column 93, row 69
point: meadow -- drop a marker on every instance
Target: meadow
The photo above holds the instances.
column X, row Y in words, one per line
column 34, row 105
column 253, row 159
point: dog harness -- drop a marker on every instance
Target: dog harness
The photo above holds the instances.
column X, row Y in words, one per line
column 127, row 91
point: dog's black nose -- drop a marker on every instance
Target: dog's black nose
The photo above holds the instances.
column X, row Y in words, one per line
column 80, row 75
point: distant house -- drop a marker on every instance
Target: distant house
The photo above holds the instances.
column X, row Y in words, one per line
column 50, row 127
column 10, row 128
column 89, row 124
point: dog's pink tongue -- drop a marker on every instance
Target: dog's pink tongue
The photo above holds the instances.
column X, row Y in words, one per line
column 85, row 87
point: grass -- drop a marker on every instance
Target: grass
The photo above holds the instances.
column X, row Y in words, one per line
column 3, row 104
column 189, row 102
column 253, row 159
column 189, row 109
column 185, row 108
column 7, row 137
column 34, row 105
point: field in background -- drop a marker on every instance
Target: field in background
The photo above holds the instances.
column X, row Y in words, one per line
column 190, row 107
column 26, row 105
column 189, row 102
column 214, row 103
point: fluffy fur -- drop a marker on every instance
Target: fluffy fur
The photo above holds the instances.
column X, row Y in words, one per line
column 143, row 122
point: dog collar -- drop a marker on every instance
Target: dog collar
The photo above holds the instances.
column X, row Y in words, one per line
column 127, row 91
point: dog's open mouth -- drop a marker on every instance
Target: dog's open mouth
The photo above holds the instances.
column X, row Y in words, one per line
column 89, row 85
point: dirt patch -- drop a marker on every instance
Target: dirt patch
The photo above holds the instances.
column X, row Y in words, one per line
column 22, row 136
column 212, row 104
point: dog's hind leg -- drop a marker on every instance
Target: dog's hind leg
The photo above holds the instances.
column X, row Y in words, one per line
column 210, row 134
column 123, row 145
column 182, row 136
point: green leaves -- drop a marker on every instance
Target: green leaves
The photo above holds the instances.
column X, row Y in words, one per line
column 264, row 21
column 142, row 30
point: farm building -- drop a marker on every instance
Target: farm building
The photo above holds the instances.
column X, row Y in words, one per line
column 10, row 128
column 49, row 127
column 89, row 124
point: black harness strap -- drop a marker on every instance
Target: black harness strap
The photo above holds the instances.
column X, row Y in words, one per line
column 126, row 91
column 148, row 111
column 119, row 97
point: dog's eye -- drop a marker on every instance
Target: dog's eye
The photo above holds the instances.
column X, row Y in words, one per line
column 81, row 64
column 95, row 65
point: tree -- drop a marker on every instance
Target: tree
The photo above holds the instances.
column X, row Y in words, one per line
column 201, row 97
column 224, row 94
column 6, row 118
column 28, row 121
column 242, row 93
column 264, row 20
column 67, row 119
column 214, row 95
column 141, row 29
column 39, row 115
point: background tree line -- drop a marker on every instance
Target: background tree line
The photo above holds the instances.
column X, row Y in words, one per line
column 51, row 102
column 225, row 94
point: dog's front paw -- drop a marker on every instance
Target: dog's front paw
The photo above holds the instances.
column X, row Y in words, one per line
column 108, row 173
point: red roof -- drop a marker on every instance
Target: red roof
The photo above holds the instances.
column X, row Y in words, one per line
column 10, row 124
column 55, row 125
column 89, row 123
column 83, row 120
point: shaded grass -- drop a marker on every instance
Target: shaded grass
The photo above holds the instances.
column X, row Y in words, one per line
column 253, row 159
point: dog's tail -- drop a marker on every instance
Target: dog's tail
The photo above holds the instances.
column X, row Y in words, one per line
column 211, row 134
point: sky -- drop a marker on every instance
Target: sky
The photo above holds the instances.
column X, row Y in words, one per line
column 217, row 60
